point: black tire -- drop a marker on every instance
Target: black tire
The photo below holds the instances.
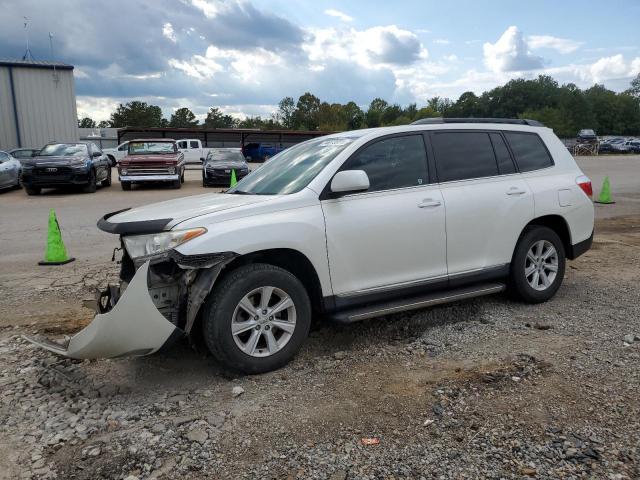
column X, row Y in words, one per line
column 125, row 186
column 112, row 161
column 33, row 190
column 91, row 185
column 176, row 184
column 182, row 177
column 222, row 301
column 107, row 181
column 519, row 286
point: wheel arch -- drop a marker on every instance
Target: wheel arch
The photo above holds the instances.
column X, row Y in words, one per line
column 288, row 259
column 559, row 225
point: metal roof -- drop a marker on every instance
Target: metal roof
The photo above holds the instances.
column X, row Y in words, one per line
column 8, row 62
column 196, row 130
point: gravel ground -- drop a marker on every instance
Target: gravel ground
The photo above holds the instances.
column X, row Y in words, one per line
column 487, row 388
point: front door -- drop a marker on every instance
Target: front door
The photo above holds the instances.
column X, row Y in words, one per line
column 393, row 235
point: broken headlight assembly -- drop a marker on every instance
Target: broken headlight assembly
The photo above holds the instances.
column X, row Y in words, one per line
column 157, row 244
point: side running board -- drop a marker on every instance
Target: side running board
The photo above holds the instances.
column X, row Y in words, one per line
column 412, row 303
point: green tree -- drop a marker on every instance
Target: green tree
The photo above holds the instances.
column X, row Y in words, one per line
column 308, row 111
column 183, row 118
column 634, row 89
column 216, row 119
column 104, row 124
column 353, row 116
column 286, row 114
column 86, row 122
column 373, row 117
column 136, row 114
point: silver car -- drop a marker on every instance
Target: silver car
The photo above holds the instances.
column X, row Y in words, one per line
column 9, row 171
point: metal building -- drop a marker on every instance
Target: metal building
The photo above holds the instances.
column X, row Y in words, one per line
column 37, row 104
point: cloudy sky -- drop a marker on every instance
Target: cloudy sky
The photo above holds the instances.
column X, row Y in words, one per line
column 245, row 55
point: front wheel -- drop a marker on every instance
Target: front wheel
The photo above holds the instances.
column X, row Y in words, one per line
column 125, row 185
column 176, row 184
column 91, row 185
column 107, row 181
column 33, row 190
column 257, row 318
column 538, row 264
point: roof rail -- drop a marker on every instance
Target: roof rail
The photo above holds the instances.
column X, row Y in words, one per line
column 513, row 121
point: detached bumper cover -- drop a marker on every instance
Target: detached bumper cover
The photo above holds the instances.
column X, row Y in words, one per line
column 133, row 327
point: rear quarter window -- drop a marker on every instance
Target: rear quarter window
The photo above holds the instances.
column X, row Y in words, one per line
column 529, row 151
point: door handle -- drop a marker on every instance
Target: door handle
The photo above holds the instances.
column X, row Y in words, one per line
column 515, row 191
column 428, row 202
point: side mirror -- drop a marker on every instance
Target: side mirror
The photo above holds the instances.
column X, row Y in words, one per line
column 96, row 154
column 349, row 181
column 202, row 159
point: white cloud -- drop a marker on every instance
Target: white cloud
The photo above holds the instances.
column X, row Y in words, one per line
column 167, row 32
column 510, row 53
column 561, row 45
column 338, row 14
column 376, row 47
column 442, row 41
column 608, row 68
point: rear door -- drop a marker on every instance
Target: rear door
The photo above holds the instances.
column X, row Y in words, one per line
column 487, row 203
column 393, row 235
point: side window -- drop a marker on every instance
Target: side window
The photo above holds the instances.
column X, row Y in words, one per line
column 193, row 144
column 503, row 157
column 3, row 157
column 463, row 155
column 123, row 147
column 530, row 152
column 392, row 163
column 95, row 148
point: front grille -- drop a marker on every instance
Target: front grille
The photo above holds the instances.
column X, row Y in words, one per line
column 53, row 171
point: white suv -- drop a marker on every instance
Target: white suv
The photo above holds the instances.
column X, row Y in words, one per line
column 348, row 226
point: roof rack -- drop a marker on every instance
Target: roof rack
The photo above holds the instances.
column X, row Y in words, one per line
column 513, row 121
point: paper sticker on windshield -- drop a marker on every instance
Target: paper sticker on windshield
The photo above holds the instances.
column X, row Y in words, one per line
column 335, row 142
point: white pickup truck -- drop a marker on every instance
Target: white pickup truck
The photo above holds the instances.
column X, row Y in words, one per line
column 191, row 148
column 193, row 151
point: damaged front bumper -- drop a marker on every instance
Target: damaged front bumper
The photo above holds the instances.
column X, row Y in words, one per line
column 160, row 303
column 134, row 326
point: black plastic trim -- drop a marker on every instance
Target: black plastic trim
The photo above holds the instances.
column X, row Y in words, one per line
column 336, row 303
column 579, row 248
column 132, row 228
column 511, row 121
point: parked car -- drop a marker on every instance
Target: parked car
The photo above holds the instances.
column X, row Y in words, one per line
column 260, row 152
column 193, row 151
column 219, row 164
column 633, row 145
column 116, row 154
column 66, row 164
column 20, row 153
column 152, row 160
column 353, row 225
column 619, row 145
column 9, row 171
column 587, row 136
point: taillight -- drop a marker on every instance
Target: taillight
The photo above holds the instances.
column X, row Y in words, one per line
column 585, row 184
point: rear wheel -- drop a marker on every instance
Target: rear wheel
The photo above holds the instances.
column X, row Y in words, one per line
column 538, row 264
column 33, row 190
column 257, row 318
column 125, row 185
column 91, row 185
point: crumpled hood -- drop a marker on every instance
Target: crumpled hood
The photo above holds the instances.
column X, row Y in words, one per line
column 184, row 208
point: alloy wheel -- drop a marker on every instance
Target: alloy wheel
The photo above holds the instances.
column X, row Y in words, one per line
column 263, row 321
column 541, row 265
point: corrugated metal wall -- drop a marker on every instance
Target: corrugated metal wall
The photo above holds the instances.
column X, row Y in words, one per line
column 46, row 107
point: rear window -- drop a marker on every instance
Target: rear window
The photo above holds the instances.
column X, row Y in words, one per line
column 529, row 151
column 463, row 155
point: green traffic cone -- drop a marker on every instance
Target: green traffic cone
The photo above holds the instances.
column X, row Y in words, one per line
column 55, row 254
column 605, row 193
column 234, row 182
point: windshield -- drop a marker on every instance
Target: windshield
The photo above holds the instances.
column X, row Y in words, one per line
column 225, row 156
column 587, row 132
column 291, row 170
column 64, row 150
column 151, row 148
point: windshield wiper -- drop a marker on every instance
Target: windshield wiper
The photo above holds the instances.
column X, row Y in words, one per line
column 240, row 192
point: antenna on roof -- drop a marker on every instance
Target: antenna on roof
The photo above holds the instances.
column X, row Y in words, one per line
column 27, row 54
column 55, row 74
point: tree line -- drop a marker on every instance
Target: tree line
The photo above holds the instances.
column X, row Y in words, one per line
column 564, row 108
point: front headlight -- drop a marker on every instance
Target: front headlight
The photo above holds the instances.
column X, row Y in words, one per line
column 157, row 243
column 124, row 171
column 172, row 170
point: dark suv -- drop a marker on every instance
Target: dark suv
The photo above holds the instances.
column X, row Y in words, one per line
column 587, row 136
column 66, row 164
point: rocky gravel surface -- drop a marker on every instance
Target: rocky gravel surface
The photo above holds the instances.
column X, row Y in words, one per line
column 487, row 388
